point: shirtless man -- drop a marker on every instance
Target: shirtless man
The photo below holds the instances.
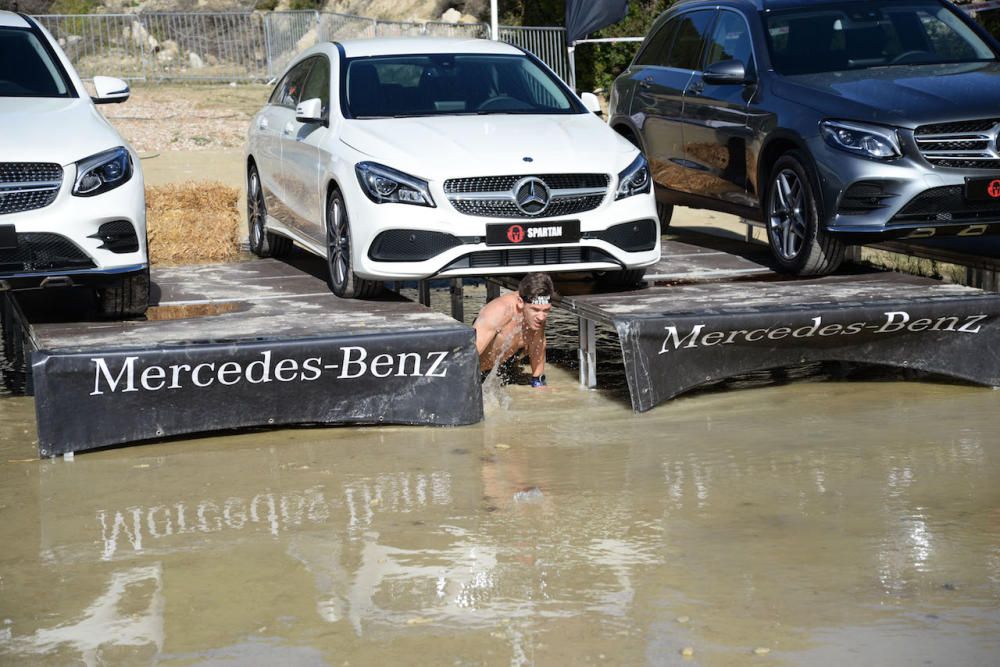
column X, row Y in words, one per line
column 515, row 323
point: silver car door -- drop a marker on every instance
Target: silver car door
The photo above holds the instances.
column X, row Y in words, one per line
column 716, row 131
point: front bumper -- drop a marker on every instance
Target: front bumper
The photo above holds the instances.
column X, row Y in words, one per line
column 92, row 239
column 462, row 249
column 905, row 198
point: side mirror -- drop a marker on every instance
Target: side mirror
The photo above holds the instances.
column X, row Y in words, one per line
column 310, row 111
column 110, row 90
column 725, row 72
column 591, row 102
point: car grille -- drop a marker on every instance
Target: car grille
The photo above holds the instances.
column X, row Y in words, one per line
column 495, row 196
column 25, row 186
column 42, row 252
column 946, row 205
column 490, row 259
column 968, row 144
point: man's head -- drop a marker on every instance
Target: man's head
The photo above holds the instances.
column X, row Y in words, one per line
column 537, row 292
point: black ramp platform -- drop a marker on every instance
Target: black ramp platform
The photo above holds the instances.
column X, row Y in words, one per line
column 722, row 319
column 250, row 344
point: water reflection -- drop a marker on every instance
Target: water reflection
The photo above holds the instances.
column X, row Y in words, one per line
column 562, row 529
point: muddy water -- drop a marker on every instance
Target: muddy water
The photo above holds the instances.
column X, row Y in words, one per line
column 816, row 523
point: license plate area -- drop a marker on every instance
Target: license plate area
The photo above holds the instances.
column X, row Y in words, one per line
column 983, row 189
column 533, row 233
column 8, row 237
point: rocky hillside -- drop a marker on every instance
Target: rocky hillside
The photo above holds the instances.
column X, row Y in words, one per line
column 397, row 10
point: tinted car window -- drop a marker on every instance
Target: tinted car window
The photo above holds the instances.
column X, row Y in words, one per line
column 691, row 34
column 730, row 40
column 287, row 92
column 318, row 83
column 658, row 46
column 878, row 33
column 441, row 84
column 27, row 69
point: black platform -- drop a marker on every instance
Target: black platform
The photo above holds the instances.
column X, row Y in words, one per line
column 249, row 344
column 710, row 315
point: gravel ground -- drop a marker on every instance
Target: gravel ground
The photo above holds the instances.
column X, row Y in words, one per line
column 174, row 117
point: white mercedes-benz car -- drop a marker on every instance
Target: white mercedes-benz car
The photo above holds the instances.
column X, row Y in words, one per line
column 407, row 158
column 72, row 205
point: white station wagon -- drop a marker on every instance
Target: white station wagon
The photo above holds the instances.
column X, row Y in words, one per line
column 403, row 159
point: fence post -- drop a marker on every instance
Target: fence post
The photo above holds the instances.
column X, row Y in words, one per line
column 265, row 18
column 140, row 21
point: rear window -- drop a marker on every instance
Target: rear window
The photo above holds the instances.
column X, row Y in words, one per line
column 451, row 84
column 879, row 33
column 27, row 69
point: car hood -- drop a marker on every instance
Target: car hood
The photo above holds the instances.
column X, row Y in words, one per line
column 440, row 147
column 905, row 96
column 53, row 130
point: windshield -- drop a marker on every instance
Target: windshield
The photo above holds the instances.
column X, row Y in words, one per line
column 878, row 33
column 26, row 68
column 449, row 84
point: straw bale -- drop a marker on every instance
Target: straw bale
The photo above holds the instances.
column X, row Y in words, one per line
column 193, row 223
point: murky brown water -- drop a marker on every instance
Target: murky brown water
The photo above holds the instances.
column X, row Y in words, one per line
column 829, row 523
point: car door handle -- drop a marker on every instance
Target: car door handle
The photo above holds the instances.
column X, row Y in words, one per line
column 261, row 123
column 696, row 88
column 289, row 128
column 646, row 83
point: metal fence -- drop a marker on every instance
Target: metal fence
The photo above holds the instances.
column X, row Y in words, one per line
column 247, row 46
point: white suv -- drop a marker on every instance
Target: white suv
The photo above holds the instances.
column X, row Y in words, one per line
column 402, row 159
column 72, row 205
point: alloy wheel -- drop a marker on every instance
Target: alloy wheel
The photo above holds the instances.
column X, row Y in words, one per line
column 255, row 211
column 338, row 243
column 787, row 212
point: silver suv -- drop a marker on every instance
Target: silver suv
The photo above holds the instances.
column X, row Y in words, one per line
column 830, row 122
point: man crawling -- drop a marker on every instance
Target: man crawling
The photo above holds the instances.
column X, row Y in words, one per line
column 515, row 323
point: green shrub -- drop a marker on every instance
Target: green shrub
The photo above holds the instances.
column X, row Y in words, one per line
column 73, row 7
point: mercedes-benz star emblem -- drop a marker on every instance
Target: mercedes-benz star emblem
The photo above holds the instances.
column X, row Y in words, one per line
column 531, row 195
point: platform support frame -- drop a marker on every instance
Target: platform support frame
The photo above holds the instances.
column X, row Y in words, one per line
column 424, row 293
column 457, row 299
column 587, row 352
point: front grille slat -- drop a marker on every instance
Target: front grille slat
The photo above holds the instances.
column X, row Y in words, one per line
column 963, row 144
column 519, row 257
column 493, row 196
column 25, row 186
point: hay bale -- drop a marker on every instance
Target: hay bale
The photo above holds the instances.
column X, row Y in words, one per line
column 193, row 223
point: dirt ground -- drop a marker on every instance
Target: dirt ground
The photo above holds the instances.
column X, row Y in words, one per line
column 192, row 117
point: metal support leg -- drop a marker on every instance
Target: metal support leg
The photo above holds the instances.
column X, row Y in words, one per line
column 747, row 230
column 424, row 292
column 492, row 291
column 457, row 300
column 588, row 353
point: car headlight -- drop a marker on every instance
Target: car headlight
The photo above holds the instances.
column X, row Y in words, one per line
column 102, row 172
column 634, row 179
column 384, row 185
column 879, row 143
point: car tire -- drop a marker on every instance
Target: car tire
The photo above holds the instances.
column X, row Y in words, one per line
column 798, row 242
column 128, row 297
column 262, row 242
column 340, row 266
column 621, row 279
column 664, row 212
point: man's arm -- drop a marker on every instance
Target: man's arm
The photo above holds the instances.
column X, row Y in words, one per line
column 536, row 351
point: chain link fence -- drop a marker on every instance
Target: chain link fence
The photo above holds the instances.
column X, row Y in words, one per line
column 248, row 46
